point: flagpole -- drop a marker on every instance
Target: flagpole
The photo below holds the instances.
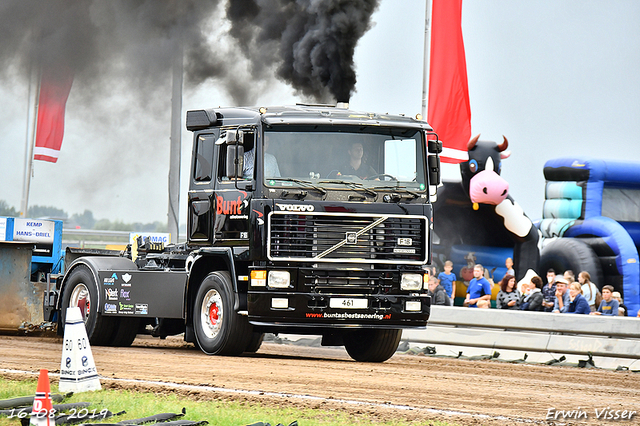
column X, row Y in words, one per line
column 427, row 57
column 175, row 149
column 30, row 142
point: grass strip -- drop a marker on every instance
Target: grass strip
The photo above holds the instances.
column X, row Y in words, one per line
column 140, row 403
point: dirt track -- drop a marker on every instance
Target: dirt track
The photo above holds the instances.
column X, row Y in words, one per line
column 490, row 388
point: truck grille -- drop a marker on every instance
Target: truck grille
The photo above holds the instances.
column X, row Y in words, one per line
column 339, row 237
column 349, row 281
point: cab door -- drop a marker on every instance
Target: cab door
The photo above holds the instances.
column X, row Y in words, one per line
column 201, row 188
column 232, row 195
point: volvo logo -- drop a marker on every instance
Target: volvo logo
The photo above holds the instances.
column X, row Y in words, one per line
column 296, row 207
column 351, row 237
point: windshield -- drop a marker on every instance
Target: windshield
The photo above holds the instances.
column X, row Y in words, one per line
column 345, row 157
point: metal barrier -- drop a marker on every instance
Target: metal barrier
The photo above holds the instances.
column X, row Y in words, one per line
column 617, row 337
column 90, row 238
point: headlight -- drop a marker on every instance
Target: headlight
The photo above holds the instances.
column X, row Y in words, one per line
column 411, row 282
column 279, row 279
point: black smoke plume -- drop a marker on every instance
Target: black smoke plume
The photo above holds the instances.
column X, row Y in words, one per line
column 309, row 43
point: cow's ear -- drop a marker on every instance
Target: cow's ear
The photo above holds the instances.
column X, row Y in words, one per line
column 505, row 154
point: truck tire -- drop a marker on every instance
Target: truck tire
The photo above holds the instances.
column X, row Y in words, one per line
column 81, row 290
column 219, row 329
column 255, row 342
column 571, row 253
column 125, row 332
column 372, row 345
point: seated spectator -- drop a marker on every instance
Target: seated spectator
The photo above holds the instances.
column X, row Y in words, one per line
column 437, row 292
column 589, row 290
column 561, row 305
column 569, row 276
column 484, row 304
column 578, row 304
column 532, row 299
column 549, row 291
column 508, row 297
column 622, row 309
column 608, row 306
column 523, row 284
column 479, row 287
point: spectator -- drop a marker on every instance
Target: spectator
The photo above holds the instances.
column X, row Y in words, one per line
column 523, row 284
column 431, row 270
column 569, row 276
column 590, row 291
column 532, row 300
column 578, row 304
column 484, row 304
column 448, row 280
column 479, row 288
column 609, row 305
column 622, row 309
column 508, row 296
column 561, row 305
column 437, row 293
column 549, row 291
column 509, row 264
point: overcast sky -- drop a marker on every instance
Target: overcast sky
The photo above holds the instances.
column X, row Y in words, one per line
column 557, row 77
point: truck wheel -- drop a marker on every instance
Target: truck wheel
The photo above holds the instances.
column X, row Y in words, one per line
column 219, row 329
column 81, row 290
column 571, row 253
column 255, row 342
column 126, row 332
column 372, row 345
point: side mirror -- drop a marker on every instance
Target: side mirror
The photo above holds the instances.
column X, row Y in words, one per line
column 235, row 161
column 433, row 162
column 434, row 147
column 235, row 153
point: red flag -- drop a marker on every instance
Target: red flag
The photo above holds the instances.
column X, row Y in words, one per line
column 449, row 110
column 52, row 101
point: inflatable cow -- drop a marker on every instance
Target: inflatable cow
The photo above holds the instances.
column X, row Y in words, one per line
column 477, row 216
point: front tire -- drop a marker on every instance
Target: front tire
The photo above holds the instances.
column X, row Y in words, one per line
column 125, row 332
column 219, row 329
column 255, row 342
column 81, row 291
column 372, row 345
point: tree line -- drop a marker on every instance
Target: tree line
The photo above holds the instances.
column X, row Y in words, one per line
column 83, row 220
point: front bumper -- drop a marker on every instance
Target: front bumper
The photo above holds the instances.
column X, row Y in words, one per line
column 336, row 299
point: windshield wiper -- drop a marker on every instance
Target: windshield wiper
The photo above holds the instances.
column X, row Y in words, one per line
column 304, row 183
column 354, row 185
column 399, row 188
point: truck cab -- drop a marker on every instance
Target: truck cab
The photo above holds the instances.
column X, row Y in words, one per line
column 301, row 220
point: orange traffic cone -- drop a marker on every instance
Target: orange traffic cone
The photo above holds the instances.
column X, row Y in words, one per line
column 42, row 412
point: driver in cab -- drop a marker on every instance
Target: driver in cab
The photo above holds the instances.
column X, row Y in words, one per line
column 356, row 165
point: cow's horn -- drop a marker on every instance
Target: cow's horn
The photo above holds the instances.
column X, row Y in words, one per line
column 504, row 145
column 472, row 142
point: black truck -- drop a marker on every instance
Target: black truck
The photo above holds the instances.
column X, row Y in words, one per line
column 308, row 219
